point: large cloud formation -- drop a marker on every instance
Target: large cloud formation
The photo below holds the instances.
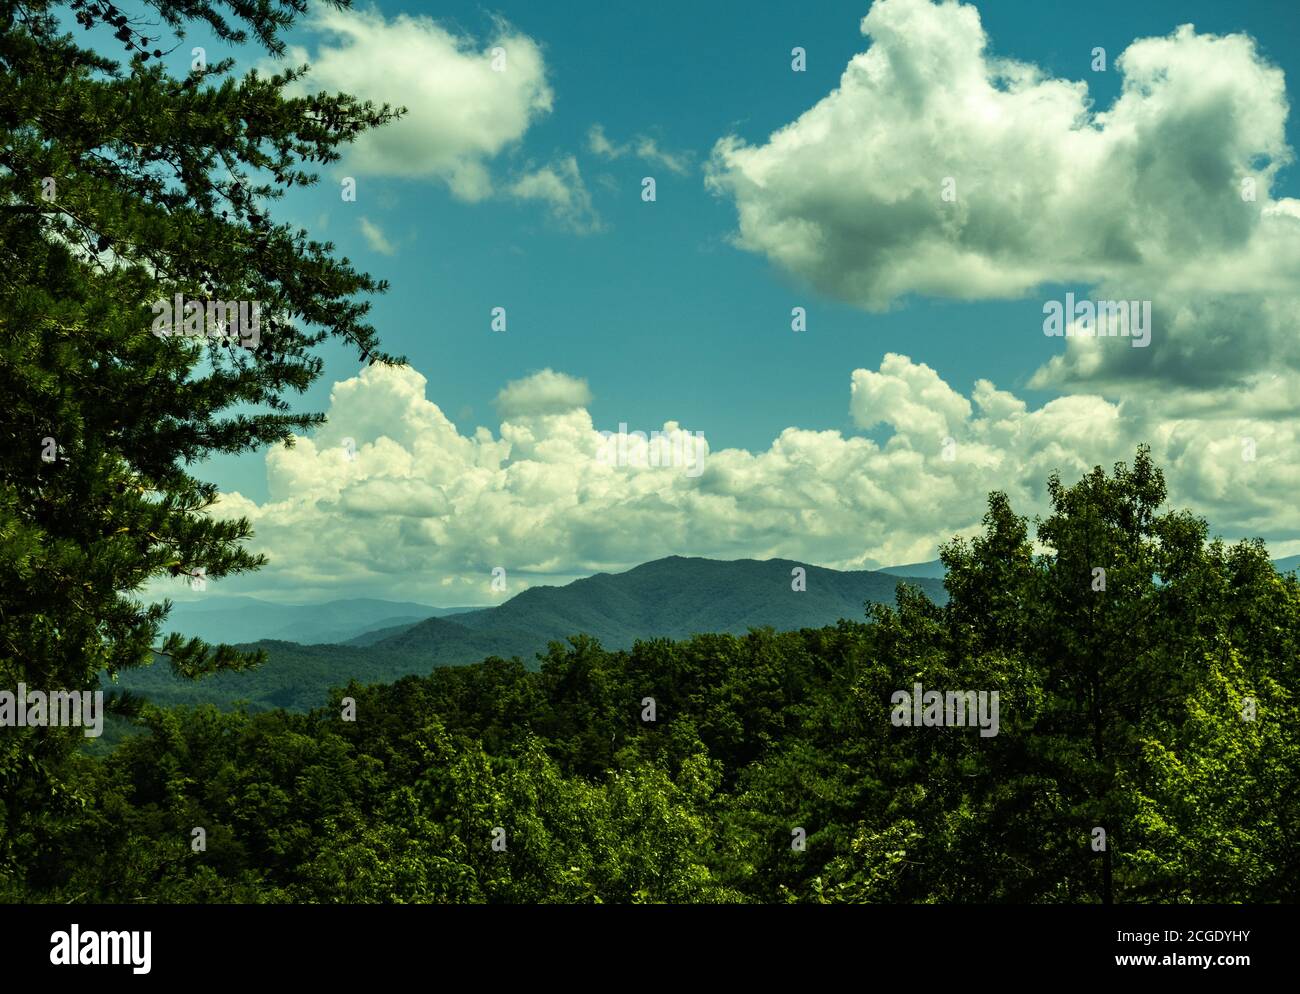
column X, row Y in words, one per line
column 414, row 509
column 1146, row 200
column 466, row 100
column 937, row 168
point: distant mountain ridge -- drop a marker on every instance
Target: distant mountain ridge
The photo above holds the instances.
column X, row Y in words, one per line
column 238, row 620
column 674, row 598
column 933, row 569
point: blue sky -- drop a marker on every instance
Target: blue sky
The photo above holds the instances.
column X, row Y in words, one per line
column 659, row 313
column 662, row 313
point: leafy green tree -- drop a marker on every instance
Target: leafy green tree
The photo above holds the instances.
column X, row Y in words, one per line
column 123, row 184
column 1129, row 624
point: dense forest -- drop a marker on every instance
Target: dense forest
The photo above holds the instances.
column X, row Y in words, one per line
column 1161, row 709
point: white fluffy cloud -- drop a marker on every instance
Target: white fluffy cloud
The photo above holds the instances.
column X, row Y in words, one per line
column 545, row 392
column 1143, row 200
column 461, row 110
column 426, row 512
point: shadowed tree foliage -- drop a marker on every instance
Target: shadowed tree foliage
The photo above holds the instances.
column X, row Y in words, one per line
column 124, row 183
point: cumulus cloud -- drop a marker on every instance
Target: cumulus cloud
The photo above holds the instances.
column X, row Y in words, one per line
column 939, row 168
column 461, row 110
column 545, row 392
column 425, row 512
column 560, row 186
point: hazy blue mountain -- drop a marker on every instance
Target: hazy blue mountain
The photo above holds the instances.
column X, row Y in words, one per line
column 381, row 641
column 674, row 597
column 1287, row 564
column 933, row 569
column 678, row 597
column 248, row 619
column 383, row 629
